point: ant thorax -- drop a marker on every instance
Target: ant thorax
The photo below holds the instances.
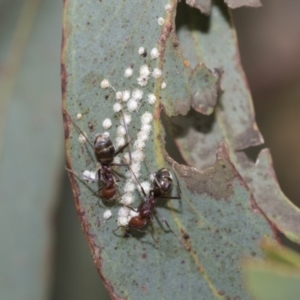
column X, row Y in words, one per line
column 147, row 206
column 105, row 175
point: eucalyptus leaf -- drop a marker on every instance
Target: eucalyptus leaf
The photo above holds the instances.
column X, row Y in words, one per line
column 212, row 40
column 217, row 222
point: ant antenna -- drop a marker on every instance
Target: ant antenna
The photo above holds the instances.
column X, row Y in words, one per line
column 127, row 144
column 77, row 128
column 127, row 136
column 142, row 189
column 155, row 240
column 177, row 183
column 152, row 173
column 150, row 170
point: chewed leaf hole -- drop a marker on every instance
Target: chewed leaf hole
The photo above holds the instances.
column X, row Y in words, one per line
column 171, row 146
column 180, row 128
column 182, row 21
column 253, row 152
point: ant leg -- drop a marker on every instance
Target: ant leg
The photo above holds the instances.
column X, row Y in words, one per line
column 127, row 137
column 72, row 172
column 178, row 186
column 171, row 197
column 144, row 231
column 99, row 190
column 126, row 232
column 78, row 129
column 98, row 203
column 118, row 228
column 154, row 175
column 128, row 141
column 126, row 164
column 142, row 189
column 151, row 222
column 120, row 164
column 121, row 149
column 164, row 220
column 130, row 207
column 83, row 181
column 116, row 175
column 115, row 197
column 85, row 178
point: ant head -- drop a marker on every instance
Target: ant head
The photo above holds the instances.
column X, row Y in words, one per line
column 162, row 182
column 104, row 149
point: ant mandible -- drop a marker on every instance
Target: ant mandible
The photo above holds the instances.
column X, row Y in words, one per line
column 161, row 186
column 105, row 153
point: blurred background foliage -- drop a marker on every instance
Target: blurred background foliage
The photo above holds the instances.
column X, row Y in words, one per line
column 43, row 254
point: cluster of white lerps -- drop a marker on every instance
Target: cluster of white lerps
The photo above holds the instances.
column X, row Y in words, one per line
column 132, row 99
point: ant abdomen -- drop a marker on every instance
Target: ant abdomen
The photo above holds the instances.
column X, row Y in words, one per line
column 137, row 222
column 108, row 192
column 104, row 149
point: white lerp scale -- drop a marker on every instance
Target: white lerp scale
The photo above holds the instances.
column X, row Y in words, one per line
column 107, row 214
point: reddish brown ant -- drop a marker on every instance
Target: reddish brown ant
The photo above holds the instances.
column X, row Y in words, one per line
column 161, row 186
column 105, row 153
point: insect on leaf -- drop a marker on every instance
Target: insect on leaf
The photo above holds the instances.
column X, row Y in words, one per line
column 110, row 48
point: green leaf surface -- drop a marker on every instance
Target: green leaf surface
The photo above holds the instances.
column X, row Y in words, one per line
column 212, row 40
column 216, row 223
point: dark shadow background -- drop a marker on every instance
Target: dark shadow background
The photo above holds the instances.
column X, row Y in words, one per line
column 269, row 46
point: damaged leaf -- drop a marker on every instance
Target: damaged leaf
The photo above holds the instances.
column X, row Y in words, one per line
column 233, row 119
column 216, row 223
column 240, row 3
column 205, row 5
